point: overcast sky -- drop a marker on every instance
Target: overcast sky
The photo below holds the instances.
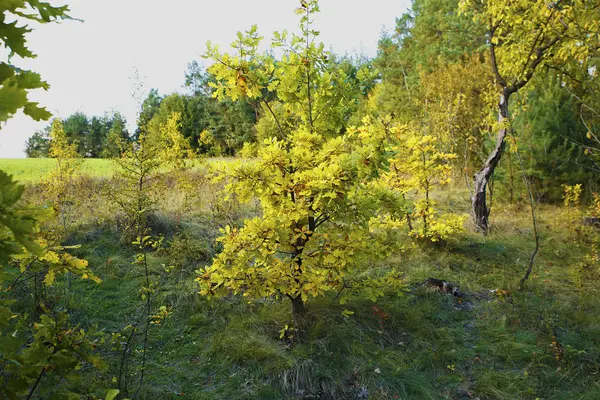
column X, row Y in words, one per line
column 90, row 65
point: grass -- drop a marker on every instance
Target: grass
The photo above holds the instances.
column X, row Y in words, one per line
column 496, row 343
column 33, row 170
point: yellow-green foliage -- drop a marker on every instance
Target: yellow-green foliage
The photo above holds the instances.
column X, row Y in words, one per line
column 53, row 261
column 314, row 231
column 572, row 213
column 418, row 166
column 17, row 224
column 176, row 152
column 135, row 175
column 60, row 148
column 444, row 116
column 588, row 268
column 308, row 90
column 207, row 140
column 31, row 349
column 525, row 33
column 457, row 100
column 176, row 159
column 60, row 184
column 174, row 147
column 572, row 195
column 594, row 207
column 315, row 190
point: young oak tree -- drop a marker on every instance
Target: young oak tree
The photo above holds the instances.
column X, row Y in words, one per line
column 60, row 184
column 176, row 153
column 418, row 166
column 314, row 189
column 438, row 130
column 523, row 36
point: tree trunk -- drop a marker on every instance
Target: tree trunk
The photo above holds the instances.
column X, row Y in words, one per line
column 480, row 209
column 298, row 306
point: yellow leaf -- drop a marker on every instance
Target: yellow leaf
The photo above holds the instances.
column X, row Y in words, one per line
column 49, row 279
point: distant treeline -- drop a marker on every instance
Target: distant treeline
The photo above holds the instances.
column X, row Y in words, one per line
column 431, row 73
column 94, row 137
column 214, row 127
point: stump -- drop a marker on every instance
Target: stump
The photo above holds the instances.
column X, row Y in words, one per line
column 442, row 286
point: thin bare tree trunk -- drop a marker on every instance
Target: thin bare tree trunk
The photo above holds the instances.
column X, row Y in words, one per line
column 534, row 224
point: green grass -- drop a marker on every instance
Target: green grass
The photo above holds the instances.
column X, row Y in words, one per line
column 430, row 347
column 33, row 170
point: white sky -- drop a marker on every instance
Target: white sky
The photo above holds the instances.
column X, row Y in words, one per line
column 89, row 65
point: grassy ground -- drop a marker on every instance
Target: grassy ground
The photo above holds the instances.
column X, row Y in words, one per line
column 539, row 343
column 496, row 342
column 32, row 170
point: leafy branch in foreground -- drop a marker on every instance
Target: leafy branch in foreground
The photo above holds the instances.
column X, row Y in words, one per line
column 15, row 83
column 40, row 342
column 35, row 341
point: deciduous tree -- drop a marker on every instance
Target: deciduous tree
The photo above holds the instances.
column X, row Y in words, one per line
column 313, row 185
column 522, row 36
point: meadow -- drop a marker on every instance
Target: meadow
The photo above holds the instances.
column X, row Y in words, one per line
column 34, row 170
column 31, row 170
column 494, row 341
